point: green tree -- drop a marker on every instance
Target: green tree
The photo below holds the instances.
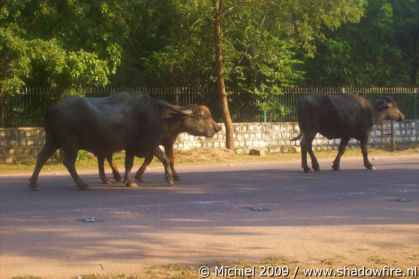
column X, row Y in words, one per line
column 266, row 43
column 406, row 25
column 263, row 43
column 60, row 43
column 381, row 50
column 168, row 45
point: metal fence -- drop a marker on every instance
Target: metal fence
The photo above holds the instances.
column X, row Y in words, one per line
column 27, row 108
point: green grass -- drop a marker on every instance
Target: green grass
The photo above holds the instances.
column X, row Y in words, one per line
column 176, row 271
column 171, row 271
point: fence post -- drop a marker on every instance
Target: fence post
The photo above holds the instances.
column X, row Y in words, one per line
column 343, row 90
column 415, row 109
column 265, row 116
column 414, row 102
column 2, row 112
column 391, row 136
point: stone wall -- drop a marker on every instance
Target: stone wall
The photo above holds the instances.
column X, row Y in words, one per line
column 20, row 143
column 276, row 137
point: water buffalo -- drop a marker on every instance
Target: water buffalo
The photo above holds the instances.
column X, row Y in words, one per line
column 125, row 121
column 341, row 116
column 200, row 117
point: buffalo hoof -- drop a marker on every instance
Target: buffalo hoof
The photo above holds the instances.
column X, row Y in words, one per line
column 176, row 178
column 33, row 186
column 316, row 167
column 132, row 184
column 105, row 180
column 117, row 177
column 335, row 167
column 307, row 170
column 371, row 167
column 139, row 178
column 82, row 186
column 170, row 180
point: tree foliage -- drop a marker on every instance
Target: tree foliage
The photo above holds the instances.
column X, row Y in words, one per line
column 381, row 50
column 60, row 43
column 267, row 44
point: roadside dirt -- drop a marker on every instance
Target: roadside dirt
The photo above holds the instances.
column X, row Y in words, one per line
column 194, row 157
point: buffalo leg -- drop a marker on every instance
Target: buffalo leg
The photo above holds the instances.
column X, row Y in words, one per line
column 364, row 149
column 129, row 161
column 162, row 157
column 141, row 170
column 342, row 148
column 306, row 146
column 314, row 162
column 115, row 171
column 69, row 161
column 169, row 153
column 47, row 151
column 101, row 163
column 304, row 164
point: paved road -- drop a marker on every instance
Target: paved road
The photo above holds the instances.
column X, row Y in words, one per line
column 353, row 216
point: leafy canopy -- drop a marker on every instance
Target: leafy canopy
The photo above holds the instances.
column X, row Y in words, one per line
column 60, row 43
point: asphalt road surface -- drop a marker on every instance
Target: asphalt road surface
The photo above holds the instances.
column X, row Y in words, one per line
column 214, row 214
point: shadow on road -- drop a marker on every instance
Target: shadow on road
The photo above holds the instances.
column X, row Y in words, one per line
column 215, row 210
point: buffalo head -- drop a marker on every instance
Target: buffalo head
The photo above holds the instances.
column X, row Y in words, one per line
column 389, row 110
column 199, row 121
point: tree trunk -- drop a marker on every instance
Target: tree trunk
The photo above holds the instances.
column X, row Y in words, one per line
column 415, row 59
column 413, row 73
column 2, row 110
column 222, row 95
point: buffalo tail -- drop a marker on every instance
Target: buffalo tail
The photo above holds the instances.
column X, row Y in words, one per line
column 298, row 137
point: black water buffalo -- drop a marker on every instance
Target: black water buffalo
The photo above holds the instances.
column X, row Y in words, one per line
column 200, row 117
column 125, row 121
column 341, row 116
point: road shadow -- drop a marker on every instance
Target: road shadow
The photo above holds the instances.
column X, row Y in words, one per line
column 211, row 208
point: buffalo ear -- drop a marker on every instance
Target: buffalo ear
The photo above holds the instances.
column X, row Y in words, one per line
column 172, row 113
column 169, row 114
column 385, row 103
column 168, row 111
